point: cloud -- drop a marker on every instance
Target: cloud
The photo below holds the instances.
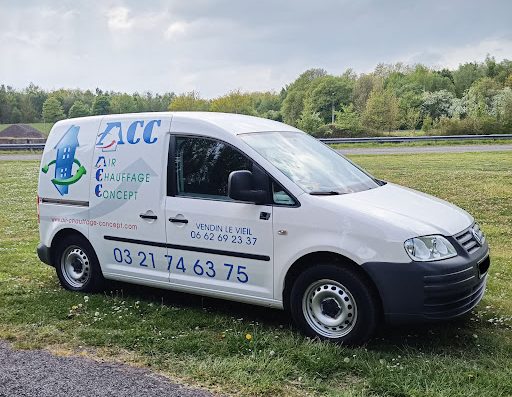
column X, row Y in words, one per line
column 214, row 47
column 124, row 19
column 452, row 56
column 176, row 29
column 57, row 13
column 118, row 19
column 500, row 48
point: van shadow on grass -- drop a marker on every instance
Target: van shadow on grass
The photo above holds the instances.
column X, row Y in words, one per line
column 452, row 337
column 251, row 313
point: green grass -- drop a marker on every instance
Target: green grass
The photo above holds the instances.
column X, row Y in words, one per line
column 18, row 152
column 203, row 341
column 44, row 128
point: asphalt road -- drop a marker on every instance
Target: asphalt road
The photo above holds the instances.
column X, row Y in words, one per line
column 427, row 149
column 37, row 373
column 373, row 150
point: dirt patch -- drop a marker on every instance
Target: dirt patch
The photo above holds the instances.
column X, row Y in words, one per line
column 20, row 131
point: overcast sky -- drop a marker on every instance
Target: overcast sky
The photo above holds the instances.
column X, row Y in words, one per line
column 216, row 46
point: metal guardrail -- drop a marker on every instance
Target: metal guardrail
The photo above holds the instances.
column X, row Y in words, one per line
column 22, row 146
column 379, row 139
column 398, row 139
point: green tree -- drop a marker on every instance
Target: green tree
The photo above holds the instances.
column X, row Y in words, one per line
column 430, row 80
column 267, row 104
column 7, row 103
column 506, row 117
column 101, row 105
column 410, row 117
column 437, row 104
column 348, row 119
column 189, row 101
column 234, row 102
column 293, row 103
column 66, row 98
column 310, row 122
column 502, row 107
column 79, row 109
column 31, row 103
column 363, row 86
column 427, row 124
column 381, row 112
column 52, row 110
column 409, row 102
column 16, row 115
column 508, row 81
column 480, row 96
column 445, row 73
column 148, row 102
column 122, row 103
column 491, row 67
column 458, row 109
column 466, row 75
column 383, row 70
column 328, row 94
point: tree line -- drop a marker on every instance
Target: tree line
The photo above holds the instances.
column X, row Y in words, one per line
column 474, row 98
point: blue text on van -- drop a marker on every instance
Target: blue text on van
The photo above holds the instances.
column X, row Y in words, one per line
column 131, row 132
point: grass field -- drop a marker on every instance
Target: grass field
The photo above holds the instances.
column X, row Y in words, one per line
column 203, row 341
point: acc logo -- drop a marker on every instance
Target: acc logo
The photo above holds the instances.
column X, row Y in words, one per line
column 108, row 143
column 64, row 161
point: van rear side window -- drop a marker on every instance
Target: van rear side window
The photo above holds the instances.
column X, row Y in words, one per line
column 203, row 167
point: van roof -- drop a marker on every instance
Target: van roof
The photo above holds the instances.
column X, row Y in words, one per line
column 229, row 122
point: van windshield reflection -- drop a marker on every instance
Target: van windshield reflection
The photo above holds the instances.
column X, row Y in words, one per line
column 310, row 164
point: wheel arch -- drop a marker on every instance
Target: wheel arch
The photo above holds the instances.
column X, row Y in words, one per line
column 309, row 260
column 59, row 236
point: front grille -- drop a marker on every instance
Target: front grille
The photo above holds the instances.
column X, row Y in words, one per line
column 471, row 239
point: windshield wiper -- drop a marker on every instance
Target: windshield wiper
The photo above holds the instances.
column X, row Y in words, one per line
column 324, row 193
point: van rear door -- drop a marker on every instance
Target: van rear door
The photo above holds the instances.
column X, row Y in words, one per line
column 127, row 204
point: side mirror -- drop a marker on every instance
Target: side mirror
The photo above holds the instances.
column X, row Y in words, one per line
column 240, row 188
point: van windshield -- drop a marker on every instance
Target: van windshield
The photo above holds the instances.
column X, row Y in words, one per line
column 313, row 166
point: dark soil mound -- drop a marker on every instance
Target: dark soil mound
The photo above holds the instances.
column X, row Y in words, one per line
column 20, row 131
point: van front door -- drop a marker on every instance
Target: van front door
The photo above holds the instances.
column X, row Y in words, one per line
column 214, row 243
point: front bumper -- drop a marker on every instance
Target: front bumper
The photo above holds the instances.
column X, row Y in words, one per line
column 423, row 291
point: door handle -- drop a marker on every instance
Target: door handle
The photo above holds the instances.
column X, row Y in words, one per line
column 178, row 220
column 148, row 216
column 265, row 216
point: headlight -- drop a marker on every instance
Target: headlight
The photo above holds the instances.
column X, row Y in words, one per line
column 429, row 248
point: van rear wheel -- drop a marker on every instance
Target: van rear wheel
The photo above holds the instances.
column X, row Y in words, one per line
column 333, row 302
column 77, row 266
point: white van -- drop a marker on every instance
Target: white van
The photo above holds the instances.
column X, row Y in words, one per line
column 251, row 210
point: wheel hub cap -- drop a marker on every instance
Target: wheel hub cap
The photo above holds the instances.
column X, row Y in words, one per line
column 75, row 267
column 329, row 308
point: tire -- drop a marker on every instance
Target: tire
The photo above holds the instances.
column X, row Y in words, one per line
column 77, row 265
column 335, row 303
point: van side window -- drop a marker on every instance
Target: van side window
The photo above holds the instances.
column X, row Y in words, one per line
column 280, row 196
column 203, row 167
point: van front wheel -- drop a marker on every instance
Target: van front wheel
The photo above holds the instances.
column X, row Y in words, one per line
column 77, row 266
column 335, row 303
